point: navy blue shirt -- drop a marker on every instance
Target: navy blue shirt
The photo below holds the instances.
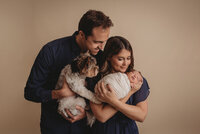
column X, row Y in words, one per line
column 52, row 58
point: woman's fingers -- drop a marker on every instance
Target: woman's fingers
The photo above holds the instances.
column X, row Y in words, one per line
column 99, row 88
column 109, row 88
column 103, row 90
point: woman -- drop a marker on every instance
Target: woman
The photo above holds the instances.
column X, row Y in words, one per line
column 119, row 116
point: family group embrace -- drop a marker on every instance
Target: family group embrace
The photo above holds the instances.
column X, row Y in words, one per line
column 87, row 84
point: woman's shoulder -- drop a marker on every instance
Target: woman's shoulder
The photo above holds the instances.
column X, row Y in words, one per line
column 145, row 83
column 142, row 94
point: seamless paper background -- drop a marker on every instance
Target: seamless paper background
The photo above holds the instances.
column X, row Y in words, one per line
column 165, row 36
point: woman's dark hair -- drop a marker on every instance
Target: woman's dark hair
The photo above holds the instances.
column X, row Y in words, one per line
column 92, row 19
column 113, row 46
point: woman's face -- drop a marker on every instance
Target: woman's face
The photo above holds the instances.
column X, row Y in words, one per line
column 121, row 61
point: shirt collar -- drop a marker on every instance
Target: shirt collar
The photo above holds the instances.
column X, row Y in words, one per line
column 75, row 46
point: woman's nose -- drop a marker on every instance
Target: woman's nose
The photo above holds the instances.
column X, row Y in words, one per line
column 125, row 62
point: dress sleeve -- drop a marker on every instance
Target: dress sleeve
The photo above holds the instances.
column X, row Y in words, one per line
column 35, row 89
column 142, row 93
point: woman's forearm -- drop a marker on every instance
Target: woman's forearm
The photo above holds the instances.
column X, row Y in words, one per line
column 137, row 112
column 106, row 111
column 102, row 112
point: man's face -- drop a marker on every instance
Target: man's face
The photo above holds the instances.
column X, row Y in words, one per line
column 97, row 40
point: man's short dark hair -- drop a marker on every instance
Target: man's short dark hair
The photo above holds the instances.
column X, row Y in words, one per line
column 92, row 19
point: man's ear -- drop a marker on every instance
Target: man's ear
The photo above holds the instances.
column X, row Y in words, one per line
column 82, row 35
column 108, row 59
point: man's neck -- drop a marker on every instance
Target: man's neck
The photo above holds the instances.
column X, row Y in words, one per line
column 79, row 41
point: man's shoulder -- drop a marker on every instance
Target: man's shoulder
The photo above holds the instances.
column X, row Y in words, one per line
column 59, row 41
column 57, row 47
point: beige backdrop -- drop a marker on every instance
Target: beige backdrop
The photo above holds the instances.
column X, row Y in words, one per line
column 165, row 35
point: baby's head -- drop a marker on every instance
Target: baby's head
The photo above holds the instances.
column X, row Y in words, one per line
column 135, row 79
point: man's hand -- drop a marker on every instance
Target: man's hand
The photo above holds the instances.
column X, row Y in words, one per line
column 73, row 118
column 65, row 91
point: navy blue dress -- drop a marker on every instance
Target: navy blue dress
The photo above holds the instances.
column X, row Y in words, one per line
column 119, row 123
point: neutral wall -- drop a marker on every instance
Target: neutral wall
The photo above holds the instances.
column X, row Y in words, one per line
column 165, row 35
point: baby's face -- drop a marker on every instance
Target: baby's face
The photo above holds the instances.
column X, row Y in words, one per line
column 134, row 77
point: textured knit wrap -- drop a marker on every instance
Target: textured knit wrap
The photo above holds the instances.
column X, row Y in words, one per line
column 119, row 82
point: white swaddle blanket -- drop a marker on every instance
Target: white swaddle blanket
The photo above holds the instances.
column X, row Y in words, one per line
column 119, row 82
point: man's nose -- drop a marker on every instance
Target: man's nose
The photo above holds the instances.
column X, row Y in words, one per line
column 101, row 46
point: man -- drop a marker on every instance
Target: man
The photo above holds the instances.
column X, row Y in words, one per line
column 92, row 34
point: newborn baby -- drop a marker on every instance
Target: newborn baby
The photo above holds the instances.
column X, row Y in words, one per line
column 135, row 78
column 122, row 83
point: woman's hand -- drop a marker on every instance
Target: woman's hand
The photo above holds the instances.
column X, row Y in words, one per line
column 105, row 95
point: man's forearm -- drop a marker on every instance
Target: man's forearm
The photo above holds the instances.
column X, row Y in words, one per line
column 37, row 94
column 65, row 91
column 56, row 94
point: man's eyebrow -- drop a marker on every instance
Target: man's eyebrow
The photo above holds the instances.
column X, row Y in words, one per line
column 98, row 41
